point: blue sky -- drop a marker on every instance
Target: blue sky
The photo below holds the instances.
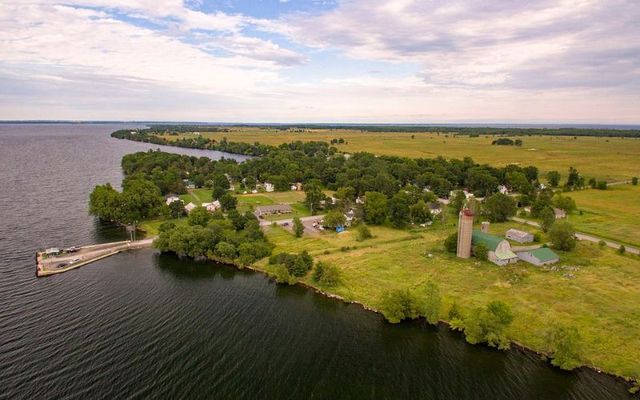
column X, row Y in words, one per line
column 412, row 61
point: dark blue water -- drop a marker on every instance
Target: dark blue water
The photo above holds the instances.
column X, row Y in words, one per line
column 144, row 325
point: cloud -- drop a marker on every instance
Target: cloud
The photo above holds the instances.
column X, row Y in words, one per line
column 484, row 44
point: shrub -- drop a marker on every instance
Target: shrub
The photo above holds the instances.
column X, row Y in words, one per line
column 634, row 181
column 298, row 227
column 622, row 249
column 489, row 324
column 562, row 236
column 451, row 243
column 432, row 303
column 399, row 304
column 564, row 346
column 537, row 237
column 480, row 251
column 602, row 243
column 282, row 275
column 326, row 274
column 602, row 185
column 199, row 216
column 363, row 233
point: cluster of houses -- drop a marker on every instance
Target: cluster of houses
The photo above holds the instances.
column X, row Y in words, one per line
column 499, row 250
column 211, row 207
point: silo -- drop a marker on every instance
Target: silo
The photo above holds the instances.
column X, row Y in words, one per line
column 465, row 231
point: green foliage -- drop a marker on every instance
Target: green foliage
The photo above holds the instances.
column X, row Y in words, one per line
column 489, row 324
column 326, row 275
column 541, row 202
column 399, row 212
column 634, row 181
column 564, row 344
column 454, row 312
column 547, row 219
column 565, row 202
column 138, row 200
column 562, row 236
column 228, row 201
column 451, row 243
column 432, row 303
column 375, row 208
column 553, row 178
column 334, row 219
column 457, row 201
column 499, row 207
column 622, row 249
column 480, row 252
column 298, row 227
column 199, row 216
column 601, row 185
column 363, row 233
column 225, row 250
column 314, row 195
column 176, row 209
column 282, row 275
column 399, row 304
column 296, row 264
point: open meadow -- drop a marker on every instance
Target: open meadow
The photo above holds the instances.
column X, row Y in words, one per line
column 593, row 289
column 604, row 158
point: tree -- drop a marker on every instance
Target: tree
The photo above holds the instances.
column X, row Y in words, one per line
column 548, row 218
column 334, row 219
column 399, row 212
column 228, row 201
column 622, row 249
column 420, row 213
column 601, row 185
column 489, row 324
column 399, row 304
column 326, row 275
column 282, row 275
column 541, row 202
column 176, row 209
column 563, row 236
column 574, row 179
column 457, row 201
column 375, row 208
column 298, row 227
column 499, row 207
column 564, row 344
column 199, row 216
column 451, row 243
column 565, row 202
column 104, row 203
column 363, row 233
column 432, row 303
column 225, row 250
column 480, row 251
column 220, row 186
column 553, row 178
column 518, row 181
column 314, row 195
column 634, row 181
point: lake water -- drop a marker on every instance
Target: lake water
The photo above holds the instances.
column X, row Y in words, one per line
column 144, row 325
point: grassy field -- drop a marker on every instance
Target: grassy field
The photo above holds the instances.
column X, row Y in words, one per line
column 197, row 196
column 594, row 289
column 613, row 213
column 294, row 199
column 604, row 158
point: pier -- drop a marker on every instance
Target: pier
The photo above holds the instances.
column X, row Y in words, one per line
column 66, row 261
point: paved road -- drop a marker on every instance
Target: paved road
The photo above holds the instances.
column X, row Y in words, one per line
column 585, row 236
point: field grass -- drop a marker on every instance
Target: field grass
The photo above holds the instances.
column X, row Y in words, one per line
column 613, row 213
column 593, row 289
column 197, row 196
column 293, row 198
column 604, row 158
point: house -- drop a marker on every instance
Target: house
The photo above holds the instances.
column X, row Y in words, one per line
column 499, row 250
column 263, row 211
column 467, row 194
column 211, row 207
column 539, row 257
column 188, row 184
column 52, row 251
column 171, row 198
column 349, row 217
column 298, row 185
column 435, row 209
column 293, row 187
column 360, row 200
column 560, row 213
column 268, row 187
column 189, row 207
column 519, row 236
column 503, row 189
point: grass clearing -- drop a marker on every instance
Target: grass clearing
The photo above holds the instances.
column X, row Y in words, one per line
column 601, row 157
column 595, row 290
column 197, row 196
column 613, row 213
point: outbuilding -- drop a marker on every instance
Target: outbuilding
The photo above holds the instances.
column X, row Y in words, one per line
column 519, row 236
column 498, row 249
column 189, row 207
column 273, row 209
column 539, row 257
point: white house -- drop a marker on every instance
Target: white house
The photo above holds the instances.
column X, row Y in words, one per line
column 541, row 256
column 172, row 198
column 293, row 187
column 189, row 207
column 268, row 187
column 519, row 236
column 213, row 206
column 503, row 189
column 559, row 213
column 498, row 250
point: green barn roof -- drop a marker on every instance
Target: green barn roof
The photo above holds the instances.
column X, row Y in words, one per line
column 490, row 241
column 544, row 254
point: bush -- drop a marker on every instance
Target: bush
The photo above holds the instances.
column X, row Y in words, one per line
column 564, row 346
column 432, row 303
column 634, row 181
column 298, row 227
column 489, row 324
column 363, row 233
column 622, row 249
column 282, row 275
column 451, row 243
column 199, row 216
column 480, row 251
column 297, row 265
column 602, row 185
column 326, row 274
column 537, row 237
column 399, row 304
column 602, row 243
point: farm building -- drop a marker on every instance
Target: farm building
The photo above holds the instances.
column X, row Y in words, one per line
column 268, row 187
column 189, row 207
column 560, row 213
column 211, row 207
column 499, row 250
column 262, row 211
column 541, row 256
column 171, row 198
column 519, row 236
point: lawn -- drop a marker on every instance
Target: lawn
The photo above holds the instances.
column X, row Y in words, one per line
column 293, row 198
column 593, row 289
column 604, row 158
column 613, row 213
column 197, row 196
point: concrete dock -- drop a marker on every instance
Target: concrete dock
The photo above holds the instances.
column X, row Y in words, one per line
column 51, row 265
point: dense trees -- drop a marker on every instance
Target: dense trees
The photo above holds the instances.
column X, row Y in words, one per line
column 563, row 236
column 399, row 304
column 314, row 195
column 296, row 264
column 325, row 274
column 488, row 325
column 399, row 211
column 375, row 208
column 138, row 200
column 499, row 207
column 564, row 345
column 334, row 219
column 553, row 177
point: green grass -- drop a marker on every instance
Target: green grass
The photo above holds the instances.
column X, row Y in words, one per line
column 151, row 226
column 293, row 198
column 613, row 213
column 197, row 196
column 601, row 300
column 600, row 157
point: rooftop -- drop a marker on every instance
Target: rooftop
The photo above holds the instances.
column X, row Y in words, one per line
column 490, row 241
column 544, row 254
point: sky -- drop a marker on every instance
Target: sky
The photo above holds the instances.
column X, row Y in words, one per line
column 393, row 61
